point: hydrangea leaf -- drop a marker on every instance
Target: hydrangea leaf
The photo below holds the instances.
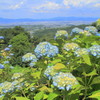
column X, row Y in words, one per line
column 91, row 73
column 86, row 59
column 59, row 66
column 96, row 95
column 56, row 61
column 39, row 96
column 96, row 80
column 1, row 70
column 46, row 89
column 21, row 98
column 36, row 74
column 94, row 43
column 52, row 96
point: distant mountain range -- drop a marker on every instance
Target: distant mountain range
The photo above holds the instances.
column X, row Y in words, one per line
column 9, row 21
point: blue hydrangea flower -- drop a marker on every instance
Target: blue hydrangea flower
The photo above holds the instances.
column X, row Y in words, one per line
column 1, row 66
column 6, row 87
column 81, row 51
column 8, row 57
column 61, row 33
column 18, row 84
column 32, row 63
column 1, row 95
column 11, row 54
column 1, row 37
column 7, row 49
column 6, row 62
column 86, row 33
column 53, row 70
column 17, row 75
column 32, row 88
column 11, row 67
column 97, row 34
column 64, row 81
column 50, row 71
column 95, row 50
column 46, row 49
column 9, row 46
column 75, row 31
column 71, row 46
column 29, row 57
column 91, row 29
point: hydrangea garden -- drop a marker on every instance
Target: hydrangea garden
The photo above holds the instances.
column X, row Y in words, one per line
column 65, row 68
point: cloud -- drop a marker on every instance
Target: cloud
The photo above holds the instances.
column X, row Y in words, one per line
column 46, row 7
column 97, row 5
column 17, row 6
column 79, row 3
column 10, row 4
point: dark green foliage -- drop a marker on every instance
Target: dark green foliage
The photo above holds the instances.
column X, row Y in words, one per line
column 20, row 45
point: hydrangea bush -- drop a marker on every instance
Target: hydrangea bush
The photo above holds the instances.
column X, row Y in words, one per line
column 91, row 29
column 46, row 49
column 64, row 81
column 71, row 46
column 61, row 33
column 75, row 31
column 53, row 74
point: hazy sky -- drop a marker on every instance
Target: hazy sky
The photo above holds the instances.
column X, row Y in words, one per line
column 49, row 8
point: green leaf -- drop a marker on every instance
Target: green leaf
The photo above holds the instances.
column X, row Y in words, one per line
column 59, row 66
column 52, row 96
column 39, row 96
column 1, row 98
column 21, row 98
column 96, row 80
column 36, row 74
column 94, row 43
column 45, row 96
column 56, row 61
column 46, row 89
column 91, row 73
column 1, row 70
column 96, row 95
column 76, row 89
column 86, row 59
column 30, row 86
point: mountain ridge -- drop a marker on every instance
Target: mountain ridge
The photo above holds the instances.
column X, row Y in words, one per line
column 7, row 20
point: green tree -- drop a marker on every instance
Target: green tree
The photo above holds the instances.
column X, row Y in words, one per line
column 20, row 45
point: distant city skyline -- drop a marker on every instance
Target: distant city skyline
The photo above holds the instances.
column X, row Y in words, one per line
column 43, row 9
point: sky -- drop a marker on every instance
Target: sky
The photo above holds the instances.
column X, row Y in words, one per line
column 41, row 9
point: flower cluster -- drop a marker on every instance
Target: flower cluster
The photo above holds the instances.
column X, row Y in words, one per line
column 97, row 34
column 50, row 71
column 7, row 49
column 76, row 31
column 91, row 29
column 18, row 83
column 53, row 70
column 46, row 49
column 1, row 37
column 7, row 87
column 6, row 62
column 29, row 57
column 9, row 46
column 1, row 66
column 86, row 33
column 95, row 50
column 71, row 46
column 17, row 75
column 61, row 33
column 81, row 51
column 64, row 80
